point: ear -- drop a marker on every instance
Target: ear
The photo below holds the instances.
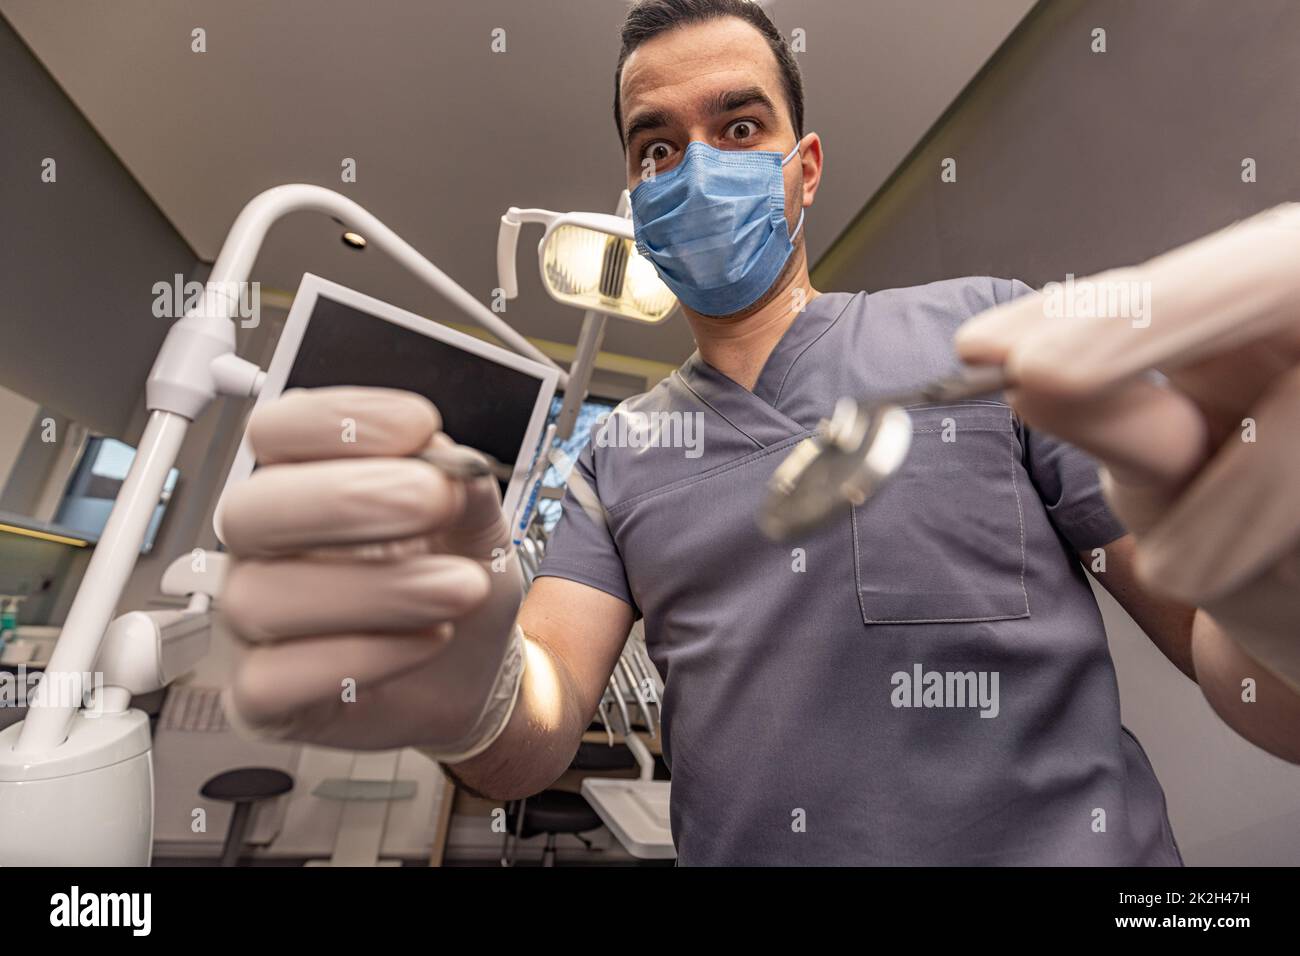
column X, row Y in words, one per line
column 810, row 156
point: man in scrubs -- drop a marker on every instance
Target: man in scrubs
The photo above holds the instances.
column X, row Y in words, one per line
column 924, row 680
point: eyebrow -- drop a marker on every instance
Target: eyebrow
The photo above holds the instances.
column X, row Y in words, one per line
column 739, row 99
column 724, row 102
column 646, row 120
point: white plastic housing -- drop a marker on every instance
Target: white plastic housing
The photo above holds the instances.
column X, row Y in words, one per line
column 87, row 803
column 587, row 260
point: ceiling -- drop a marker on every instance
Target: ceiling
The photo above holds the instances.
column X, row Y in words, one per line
column 446, row 133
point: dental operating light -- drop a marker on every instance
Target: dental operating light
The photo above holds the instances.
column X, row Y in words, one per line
column 587, row 260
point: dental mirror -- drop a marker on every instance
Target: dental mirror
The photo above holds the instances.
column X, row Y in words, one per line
column 855, row 452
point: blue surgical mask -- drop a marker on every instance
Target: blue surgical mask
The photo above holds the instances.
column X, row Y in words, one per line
column 714, row 226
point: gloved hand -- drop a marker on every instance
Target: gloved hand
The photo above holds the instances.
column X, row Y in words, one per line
column 375, row 598
column 1220, row 527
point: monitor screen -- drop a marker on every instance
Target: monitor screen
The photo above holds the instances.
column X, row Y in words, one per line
column 591, row 413
column 483, row 403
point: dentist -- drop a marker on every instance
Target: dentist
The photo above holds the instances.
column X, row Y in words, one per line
column 787, row 735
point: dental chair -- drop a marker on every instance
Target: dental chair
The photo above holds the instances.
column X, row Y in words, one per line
column 554, row 812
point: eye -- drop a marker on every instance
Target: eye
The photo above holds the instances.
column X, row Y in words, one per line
column 741, row 130
column 658, row 152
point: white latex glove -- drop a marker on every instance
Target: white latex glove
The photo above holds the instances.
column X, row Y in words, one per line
column 1217, row 520
column 361, row 569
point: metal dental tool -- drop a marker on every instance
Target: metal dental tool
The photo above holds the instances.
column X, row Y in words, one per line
column 644, row 681
column 465, row 464
column 602, row 708
column 856, row 451
column 616, row 691
column 637, row 691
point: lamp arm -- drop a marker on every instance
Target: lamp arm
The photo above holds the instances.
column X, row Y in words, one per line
column 235, row 261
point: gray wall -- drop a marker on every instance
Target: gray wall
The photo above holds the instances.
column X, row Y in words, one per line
column 79, row 335
column 16, row 415
column 1073, row 161
column 81, row 255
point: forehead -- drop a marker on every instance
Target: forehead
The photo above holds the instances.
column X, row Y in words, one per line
column 680, row 69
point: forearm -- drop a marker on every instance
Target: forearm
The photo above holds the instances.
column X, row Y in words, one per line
column 541, row 737
column 1249, row 698
column 1166, row 623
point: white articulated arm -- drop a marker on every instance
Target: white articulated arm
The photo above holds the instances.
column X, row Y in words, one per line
column 235, row 261
column 144, row 651
column 197, row 362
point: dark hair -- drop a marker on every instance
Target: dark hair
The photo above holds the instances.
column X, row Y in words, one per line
column 649, row 18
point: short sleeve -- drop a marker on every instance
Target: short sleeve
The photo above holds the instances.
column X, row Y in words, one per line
column 582, row 548
column 1066, row 479
column 1069, row 486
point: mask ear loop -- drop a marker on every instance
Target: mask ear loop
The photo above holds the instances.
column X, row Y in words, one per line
column 799, row 225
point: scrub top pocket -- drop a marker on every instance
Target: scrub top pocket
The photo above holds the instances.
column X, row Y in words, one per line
column 944, row 540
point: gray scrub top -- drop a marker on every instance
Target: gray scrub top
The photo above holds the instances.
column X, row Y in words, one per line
column 924, row 681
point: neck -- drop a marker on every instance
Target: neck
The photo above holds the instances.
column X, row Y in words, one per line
column 738, row 345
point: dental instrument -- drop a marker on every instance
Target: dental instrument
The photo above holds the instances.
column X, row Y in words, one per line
column 616, row 691
column 855, row 452
column 465, row 464
column 638, row 693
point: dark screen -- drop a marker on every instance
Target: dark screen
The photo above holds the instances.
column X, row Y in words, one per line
column 483, row 404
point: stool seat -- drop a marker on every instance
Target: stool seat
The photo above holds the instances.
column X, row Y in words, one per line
column 245, row 787
column 557, row 811
column 602, row 757
column 247, row 783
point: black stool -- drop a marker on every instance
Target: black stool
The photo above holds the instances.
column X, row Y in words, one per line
column 244, row 787
column 558, row 811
